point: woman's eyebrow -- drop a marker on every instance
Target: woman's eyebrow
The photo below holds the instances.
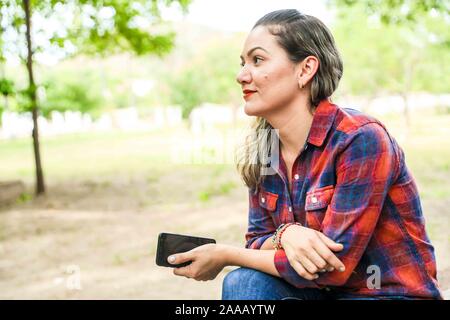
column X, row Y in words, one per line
column 253, row 49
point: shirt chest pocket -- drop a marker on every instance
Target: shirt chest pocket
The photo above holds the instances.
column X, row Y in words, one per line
column 268, row 200
column 316, row 204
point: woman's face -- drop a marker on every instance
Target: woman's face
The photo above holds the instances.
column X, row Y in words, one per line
column 268, row 78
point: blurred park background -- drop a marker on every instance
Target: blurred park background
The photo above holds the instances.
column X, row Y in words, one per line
column 138, row 115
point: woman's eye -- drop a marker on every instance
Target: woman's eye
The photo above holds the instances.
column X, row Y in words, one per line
column 256, row 59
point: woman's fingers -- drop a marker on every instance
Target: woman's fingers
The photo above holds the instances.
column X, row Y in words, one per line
column 300, row 264
column 314, row 254
column 302, row 272
column 318, row 261
column 329, row 257
column 185, row 271
column 308, row 264
column 330, row 243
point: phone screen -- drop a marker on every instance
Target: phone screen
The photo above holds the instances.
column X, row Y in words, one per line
column 169, row 243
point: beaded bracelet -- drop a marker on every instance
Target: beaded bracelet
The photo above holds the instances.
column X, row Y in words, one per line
column 277, row 241
column 274, row 237
column 283, row 230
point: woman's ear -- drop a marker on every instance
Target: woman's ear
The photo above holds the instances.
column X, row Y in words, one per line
column 306, row 70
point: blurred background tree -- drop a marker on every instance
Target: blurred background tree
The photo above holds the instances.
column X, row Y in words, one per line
column 6, row 85
column 6, row 90
column 195, row 83
column 394, row 47
column 397, row 11
column 82, row 26
column 68, row 93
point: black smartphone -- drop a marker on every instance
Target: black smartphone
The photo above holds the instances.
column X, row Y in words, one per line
column 170, row 243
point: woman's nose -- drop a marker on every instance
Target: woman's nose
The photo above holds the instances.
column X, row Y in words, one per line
column 243, row 76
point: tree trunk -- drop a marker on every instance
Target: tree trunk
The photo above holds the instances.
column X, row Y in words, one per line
column 40, row 186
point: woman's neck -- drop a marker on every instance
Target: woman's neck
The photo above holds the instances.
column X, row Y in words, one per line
column 293, row 123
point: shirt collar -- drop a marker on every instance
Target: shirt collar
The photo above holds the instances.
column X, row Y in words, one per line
column 323, row 120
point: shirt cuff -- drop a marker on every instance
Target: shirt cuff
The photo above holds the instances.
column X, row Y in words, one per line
column 256, row 244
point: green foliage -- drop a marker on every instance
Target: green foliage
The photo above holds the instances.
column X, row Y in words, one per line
column 24, row 198
column 209, row 77
column 392, row 58
column 187, row 90
column 6, row 90
column 120, row 32
column 24, row 103
column 216, row 190
column 69, row 93
column 397, row 11
column 95, row 27
column 6, row 87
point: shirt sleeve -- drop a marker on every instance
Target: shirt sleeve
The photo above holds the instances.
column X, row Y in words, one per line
column 260, row 224
column 364, row 170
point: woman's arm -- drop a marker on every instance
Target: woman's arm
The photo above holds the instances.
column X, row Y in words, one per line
column 209, row 259
column 261, row 260
column 260, row 224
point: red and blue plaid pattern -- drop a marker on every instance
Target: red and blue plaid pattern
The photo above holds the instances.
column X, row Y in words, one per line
column 351, row 183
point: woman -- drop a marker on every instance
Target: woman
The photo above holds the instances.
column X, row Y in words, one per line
column 337, row 214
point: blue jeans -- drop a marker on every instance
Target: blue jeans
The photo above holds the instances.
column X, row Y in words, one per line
column 250, row 284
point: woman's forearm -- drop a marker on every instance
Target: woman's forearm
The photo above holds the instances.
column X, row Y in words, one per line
column 262, row 260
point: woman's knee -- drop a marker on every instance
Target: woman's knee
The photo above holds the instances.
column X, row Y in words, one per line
column 239, row 277
column 245, row 283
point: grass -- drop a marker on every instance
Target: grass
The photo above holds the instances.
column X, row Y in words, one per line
column 83, row 155
column 142, row 166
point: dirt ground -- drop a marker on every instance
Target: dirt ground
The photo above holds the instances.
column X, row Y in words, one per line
column 82, row 242
column 44, row 248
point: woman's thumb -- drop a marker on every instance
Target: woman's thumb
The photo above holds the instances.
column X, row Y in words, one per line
column 179, row 258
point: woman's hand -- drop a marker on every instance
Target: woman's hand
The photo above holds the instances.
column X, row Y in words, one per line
column 207, row 262
column 310, row 251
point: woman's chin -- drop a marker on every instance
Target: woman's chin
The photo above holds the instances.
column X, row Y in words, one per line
column 251, row 110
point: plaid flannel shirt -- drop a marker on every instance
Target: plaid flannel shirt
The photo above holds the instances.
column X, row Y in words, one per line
column 351, row 183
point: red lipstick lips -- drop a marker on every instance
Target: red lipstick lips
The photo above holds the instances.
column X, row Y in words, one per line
column 248, row 93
